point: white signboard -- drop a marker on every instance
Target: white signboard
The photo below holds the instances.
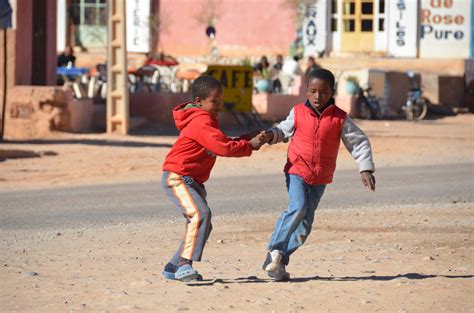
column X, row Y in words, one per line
column 138, row 31
column 445, row 28
column 61, row 14
column 402, row 28
column 315, row 28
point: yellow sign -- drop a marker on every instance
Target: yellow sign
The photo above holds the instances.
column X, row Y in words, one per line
column 237, row 82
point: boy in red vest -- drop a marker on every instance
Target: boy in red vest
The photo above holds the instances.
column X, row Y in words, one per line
column 316, row 128
column 188, row 165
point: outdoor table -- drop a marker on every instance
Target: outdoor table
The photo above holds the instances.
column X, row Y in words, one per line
column 72, row 77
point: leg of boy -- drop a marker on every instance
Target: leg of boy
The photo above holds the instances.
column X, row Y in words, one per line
column 301, row 233
column 189, row 196
column 287, row 222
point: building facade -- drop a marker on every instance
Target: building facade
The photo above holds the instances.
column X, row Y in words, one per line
column 393, row 28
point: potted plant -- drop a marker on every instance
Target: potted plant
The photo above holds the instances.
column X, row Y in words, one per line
column 352, row 85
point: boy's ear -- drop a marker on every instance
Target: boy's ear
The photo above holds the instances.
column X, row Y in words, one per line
column 197, row 101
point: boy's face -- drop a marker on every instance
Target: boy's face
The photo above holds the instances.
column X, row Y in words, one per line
column 212, row 103
column 318, row 92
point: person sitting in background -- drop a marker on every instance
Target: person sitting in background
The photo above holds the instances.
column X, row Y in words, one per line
column 288, row 72
column 276, row 83
column 310, row 65
column 67, row 58
column 279, row 63
column 262, row 68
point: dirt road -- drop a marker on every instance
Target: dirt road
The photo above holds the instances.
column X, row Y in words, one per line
column 411, row 258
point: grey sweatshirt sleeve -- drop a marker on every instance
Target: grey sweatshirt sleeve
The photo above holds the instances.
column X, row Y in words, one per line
column 358, row 145
column 285, row 130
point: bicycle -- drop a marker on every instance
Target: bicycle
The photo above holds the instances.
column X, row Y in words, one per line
column 416, row 107
column 368, row 104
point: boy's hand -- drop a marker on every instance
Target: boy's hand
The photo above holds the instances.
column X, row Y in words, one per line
column 268, row 137
column 258, row 140
column 368, row 180
column 249, row 136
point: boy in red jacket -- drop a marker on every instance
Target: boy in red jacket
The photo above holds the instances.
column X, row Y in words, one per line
column 316, row 128
column 188, row 165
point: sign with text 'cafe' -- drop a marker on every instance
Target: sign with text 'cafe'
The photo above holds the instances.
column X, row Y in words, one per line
column 237, row 82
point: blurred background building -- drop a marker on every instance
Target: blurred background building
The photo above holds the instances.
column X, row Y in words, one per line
column 430, row 36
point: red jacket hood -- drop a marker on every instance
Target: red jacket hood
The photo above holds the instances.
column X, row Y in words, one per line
column 182, row 117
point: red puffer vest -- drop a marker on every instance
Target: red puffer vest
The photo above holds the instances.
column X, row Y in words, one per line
column 312, row 152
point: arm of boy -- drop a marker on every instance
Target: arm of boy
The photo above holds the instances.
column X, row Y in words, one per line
column 248, row 136
column 283, row 131
column 214, row 140
column 357, row 143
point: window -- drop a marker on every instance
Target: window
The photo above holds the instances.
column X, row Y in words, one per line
column 381, row 24
column 349, row 8
column 367, row 8
column 349, row 25
column 335, row 15
column 380, row 17
column 366, row 25
column 334, row 24
column 93, row 12
column 91, row 18
column 334, row 7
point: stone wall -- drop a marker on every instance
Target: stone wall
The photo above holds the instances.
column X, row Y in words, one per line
column 36, row 111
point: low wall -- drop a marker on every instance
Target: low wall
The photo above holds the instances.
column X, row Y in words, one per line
column 36, row 111
column 275, row 107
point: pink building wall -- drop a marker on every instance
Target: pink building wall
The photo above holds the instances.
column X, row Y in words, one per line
column 23, row 42
column 243, row 27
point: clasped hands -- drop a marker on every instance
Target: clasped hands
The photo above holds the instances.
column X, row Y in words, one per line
column 258, row 138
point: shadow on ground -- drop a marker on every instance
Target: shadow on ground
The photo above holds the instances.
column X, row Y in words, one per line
column 378, row 278
column 22, row 154
column 255, row 279
column 93, row 142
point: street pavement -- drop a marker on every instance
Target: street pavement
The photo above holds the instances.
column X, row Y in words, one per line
column 102, row 205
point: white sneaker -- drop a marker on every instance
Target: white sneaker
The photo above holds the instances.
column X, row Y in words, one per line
column 274, row 265
column 280, row 275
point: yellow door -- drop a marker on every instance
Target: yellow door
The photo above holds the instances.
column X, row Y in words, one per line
column 357, row 25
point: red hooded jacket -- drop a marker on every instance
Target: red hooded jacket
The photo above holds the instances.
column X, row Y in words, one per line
column 199, row 141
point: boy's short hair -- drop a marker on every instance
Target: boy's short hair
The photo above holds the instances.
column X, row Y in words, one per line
column 203, row 86
column 323, row 74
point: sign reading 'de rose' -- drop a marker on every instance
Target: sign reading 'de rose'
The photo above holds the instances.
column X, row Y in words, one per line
column 445, row 28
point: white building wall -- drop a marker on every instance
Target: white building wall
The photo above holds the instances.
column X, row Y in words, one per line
column 138, row 30
column 380, row 36
column 315, row 28
column 445, row 28
column 402, row 28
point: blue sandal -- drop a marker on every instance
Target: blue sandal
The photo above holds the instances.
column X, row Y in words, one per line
column 186, row 273
column 170, row 270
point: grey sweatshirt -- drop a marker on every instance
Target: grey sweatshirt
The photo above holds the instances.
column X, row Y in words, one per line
column 354, row 139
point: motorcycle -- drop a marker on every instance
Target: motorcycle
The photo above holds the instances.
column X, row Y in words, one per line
column 369, row 107
column 416, row 106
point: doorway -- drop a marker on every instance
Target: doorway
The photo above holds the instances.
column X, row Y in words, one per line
column 39, row 46
column 357, row 33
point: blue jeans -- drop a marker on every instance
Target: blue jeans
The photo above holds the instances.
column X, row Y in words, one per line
column 294, row 225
